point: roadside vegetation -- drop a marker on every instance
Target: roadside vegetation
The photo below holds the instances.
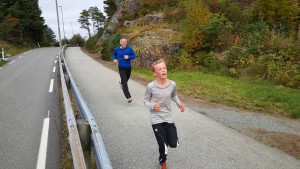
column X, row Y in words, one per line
column 250, row 95
column 2, row 62
column 239, row 53
column 10, row 50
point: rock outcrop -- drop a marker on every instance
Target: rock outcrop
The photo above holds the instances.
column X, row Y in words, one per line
column 149, row 45
column 146, row 20
column 127, row 6
column 153, row 45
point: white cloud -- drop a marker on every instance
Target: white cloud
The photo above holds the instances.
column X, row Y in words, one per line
column 71, row 10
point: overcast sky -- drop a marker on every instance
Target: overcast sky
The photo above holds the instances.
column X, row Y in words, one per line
column 71, row 10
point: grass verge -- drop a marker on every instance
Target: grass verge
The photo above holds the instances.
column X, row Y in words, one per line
column 251, row 95
column 10, row 49
column 2, row 62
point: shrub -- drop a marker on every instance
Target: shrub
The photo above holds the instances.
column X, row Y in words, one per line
column 208, row 61
column 217, row 33
column 276, row 68
column 277, row 42
column 234, row 55
column 281, row 16
column 181, row 61
column 109, row 45
column 158, row 4
column 77, row 40
column 91, row 42
column 294, row 49
column 196, row 17
column 174, row 15
column 253, row 35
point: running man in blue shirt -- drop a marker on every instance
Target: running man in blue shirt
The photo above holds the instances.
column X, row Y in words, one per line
column 124, row 54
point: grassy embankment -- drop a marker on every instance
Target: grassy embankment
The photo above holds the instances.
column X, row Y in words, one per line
column 2, row 62
column 11, row 50
column 251, row 95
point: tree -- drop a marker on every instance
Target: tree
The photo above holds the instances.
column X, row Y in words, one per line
column 110, row 8
column 280, row 15
column 97, row 18
column 196, row 17
column 48, row 37
column 21, row 21
column 77, row 40
column 7, row 28
column 84, row 21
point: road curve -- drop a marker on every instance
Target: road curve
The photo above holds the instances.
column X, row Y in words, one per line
column 129, row 139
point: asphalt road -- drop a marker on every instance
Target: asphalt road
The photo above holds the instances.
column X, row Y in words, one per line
column 129, row 139
column 28, row 100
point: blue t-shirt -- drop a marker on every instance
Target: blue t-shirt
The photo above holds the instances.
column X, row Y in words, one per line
column 119, row 53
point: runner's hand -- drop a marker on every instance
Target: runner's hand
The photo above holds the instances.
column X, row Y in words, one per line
column 181, row 107
column 156, row 107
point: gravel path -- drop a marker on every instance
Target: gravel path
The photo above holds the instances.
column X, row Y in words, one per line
column 280, row 132
column 244, row 121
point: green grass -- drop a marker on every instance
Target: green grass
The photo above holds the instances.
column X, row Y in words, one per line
column 251, row 95
column 2, row 62
column 11, row 49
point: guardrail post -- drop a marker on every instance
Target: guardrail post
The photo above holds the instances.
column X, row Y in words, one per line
column 84, row 131
column 68, row 83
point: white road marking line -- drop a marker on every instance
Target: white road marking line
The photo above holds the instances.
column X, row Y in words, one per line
column 54, row 69
column 51, row 86
column 0, row 68
column 12, row 62
column 20, row 56
column 41, row 163
column 56, row 56
column 55, row 61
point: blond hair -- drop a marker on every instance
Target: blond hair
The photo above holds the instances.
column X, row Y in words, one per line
column 155, row 63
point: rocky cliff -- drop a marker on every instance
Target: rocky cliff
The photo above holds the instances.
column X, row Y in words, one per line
column 153, row 43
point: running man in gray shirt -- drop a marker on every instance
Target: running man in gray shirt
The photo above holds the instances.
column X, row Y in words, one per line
column 158, row 96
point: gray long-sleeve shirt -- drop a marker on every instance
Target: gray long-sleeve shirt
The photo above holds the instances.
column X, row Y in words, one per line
column 155, row 94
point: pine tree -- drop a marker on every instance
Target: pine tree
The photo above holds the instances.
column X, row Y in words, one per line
column 110, row 8
column 22, row 22
column 84, row 21
column 97, row 18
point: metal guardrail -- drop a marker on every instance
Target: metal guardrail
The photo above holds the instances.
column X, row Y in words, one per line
column 101, row 156
column 76, row 149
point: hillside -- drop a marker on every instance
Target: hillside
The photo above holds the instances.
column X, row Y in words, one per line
column 248, row 57
column 240, row 39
